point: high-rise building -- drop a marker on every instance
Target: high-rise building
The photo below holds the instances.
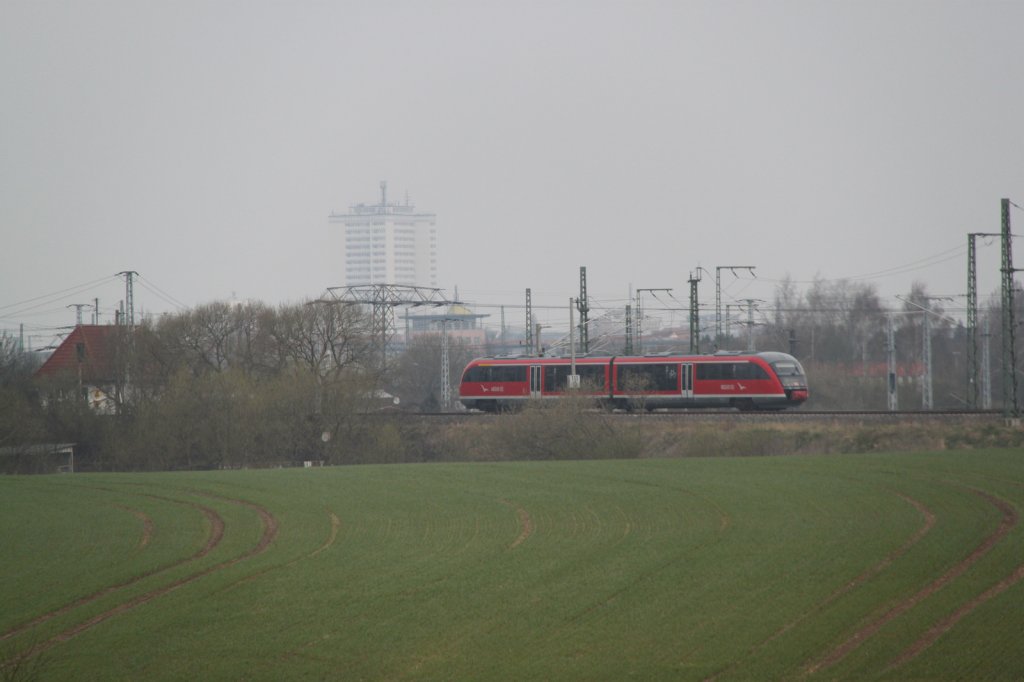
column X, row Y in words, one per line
column 385, row 243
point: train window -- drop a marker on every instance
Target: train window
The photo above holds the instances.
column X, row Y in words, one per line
column 556, row 377
column 648, row 377
column 495, row 373
column 748, row 371
column 592, row 377
column 714, row 371
column 726, row 371
column 508, row 373
column 787, row 369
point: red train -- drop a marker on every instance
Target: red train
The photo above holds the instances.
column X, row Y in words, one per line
column 754, row 381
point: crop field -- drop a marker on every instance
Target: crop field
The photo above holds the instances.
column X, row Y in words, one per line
column 906, row 566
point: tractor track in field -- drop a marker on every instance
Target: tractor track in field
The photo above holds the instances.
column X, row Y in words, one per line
column 863, row 577
column 724, row 526
column 331, row 538
column 270, row 529
column 148, row 527
column 946, row 624
column 525, row 523
column 1009, row 520
column 335, row 527
column 213, row 539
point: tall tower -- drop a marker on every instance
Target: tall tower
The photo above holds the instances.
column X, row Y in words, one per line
column 384, row 243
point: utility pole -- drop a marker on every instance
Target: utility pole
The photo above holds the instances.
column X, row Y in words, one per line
column 640, row 317
column 95, row 311
column 890, row 353
column 718, row 295
column 628, row 350
column 529, row 322
column 1009, row 326
column 972, row 318
column 926, row 355
column 694, row 314
column 926, row 348
column 574, row 379
column 502, row 326
column 584, row 308
column 986, row 367
column 639, row 325
column 751, row 348
column 78, row 312
column 446, row 384
column 129, row 295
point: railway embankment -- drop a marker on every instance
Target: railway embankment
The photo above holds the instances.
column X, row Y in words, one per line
column 565, row 432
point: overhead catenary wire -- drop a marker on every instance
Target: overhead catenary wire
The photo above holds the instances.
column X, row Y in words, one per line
column 160, row 293
column 52, row 303
column 53, row 297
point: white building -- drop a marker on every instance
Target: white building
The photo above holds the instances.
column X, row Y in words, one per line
column 385, row 243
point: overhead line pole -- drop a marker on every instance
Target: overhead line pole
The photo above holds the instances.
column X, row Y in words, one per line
column 890, row 352
column 926, row 340
column 78, row 311
column 1010, row 407
column 529, row 321
column 584, row 308
column 446, row 382
column 129, row 295
column 694, row 314
column 986, row 366
column 718, row 295
column 751, row 348
column 927, row 400
column 640, row 317
column 972, row 318
column 628, row 350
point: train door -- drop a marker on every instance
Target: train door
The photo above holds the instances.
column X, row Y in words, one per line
column 535, row 372
column 686, row 380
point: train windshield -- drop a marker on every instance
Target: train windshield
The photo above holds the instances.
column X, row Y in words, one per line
column 788, row 369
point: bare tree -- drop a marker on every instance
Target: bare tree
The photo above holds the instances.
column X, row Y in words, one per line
column 324, row 338
column 416, row 375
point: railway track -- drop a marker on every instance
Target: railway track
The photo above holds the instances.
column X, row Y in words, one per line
column 875, row 416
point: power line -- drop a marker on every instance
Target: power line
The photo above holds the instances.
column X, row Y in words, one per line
column 160, row 293
column 920, row 264
column 56, row 295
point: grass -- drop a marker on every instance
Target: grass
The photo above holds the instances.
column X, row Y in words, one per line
column 736, row 568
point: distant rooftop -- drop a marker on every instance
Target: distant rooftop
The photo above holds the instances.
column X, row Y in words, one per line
column 385, row 207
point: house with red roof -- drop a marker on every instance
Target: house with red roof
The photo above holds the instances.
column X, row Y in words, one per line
column 88, row 358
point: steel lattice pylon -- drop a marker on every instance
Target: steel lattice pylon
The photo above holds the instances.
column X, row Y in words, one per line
column 694, row 314
column 384, row 298
column 1009, row 327
column 972, row 324
column 973, row 382
column 584, row 307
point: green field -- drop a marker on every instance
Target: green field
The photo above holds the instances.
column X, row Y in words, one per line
column 852, row 567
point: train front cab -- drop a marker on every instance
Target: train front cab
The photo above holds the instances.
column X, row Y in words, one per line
column 490, row 384
column 791, row 375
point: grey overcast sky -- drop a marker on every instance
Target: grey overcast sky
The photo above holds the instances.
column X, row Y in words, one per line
column 203, row 144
